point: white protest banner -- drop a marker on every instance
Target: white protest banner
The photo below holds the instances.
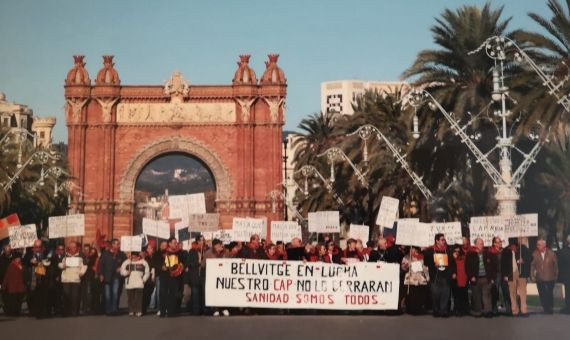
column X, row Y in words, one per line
column 131, row 243
column 525, row 225
column 359, row 232
column 263, row 228
column 411, row 232
column 285, row 231
column 486, row 228
column 224, row 235
column 388, row 212
column 324, row 222
column 204, row 222
column 451, row 231
column 66, row 226
column 244, row 228
column 22, row 236
column 294, row 284
column 160, row 229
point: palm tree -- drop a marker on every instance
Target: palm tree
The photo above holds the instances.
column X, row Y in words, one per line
column 552, row 52
column 462, row 83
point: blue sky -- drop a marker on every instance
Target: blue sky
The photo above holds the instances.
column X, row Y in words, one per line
column 317, row 41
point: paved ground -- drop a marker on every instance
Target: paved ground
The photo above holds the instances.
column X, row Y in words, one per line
column 322, row 327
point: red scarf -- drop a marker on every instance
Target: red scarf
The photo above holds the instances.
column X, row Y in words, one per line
column 438, row 249
column 494, row 250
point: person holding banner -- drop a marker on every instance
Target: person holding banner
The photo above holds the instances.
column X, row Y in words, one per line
column 13, row 287
column 171, row 279
column 136, row 271
column 216, row 252
column 482, row 269
column 515, row 270
column 544, row 270
column 416, row 279
column 332, row 253
column 72, row 269
column 253, row 250
column 37, row 263
column 441, row 264
column 350, row 254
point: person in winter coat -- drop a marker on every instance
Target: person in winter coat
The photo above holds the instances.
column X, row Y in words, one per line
column 482, row 269
column 544, row 270
column 442, row 270
column 515, row 270
column 254, row 250
column 350, row 254
column 37, row 262
column 564, row 272
column 459, row 287
column 333, row 253
column 136, row 272
column 216, row 252
column 500, row 287
column 415, row 282
column 72, row 267
column 171, row 279
column 13, row 287
column 194, row 279
column 109, row 274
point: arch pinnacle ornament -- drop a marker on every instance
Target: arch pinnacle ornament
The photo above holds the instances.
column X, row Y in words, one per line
column 176, row 144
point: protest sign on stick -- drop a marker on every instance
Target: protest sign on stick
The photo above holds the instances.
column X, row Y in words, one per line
column 285, row 231
column 388, row 212
column 324, row 222
column 359, row 232
column 131, row 243
column 66, row 226
column 204, row 222
column 160, row 229
column 244, row 228
column 525, row 225
column 22, row 236
column 486, row 228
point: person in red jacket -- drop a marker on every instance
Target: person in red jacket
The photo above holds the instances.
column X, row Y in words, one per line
column 13, row 286
column 459, row 287
column 350, row 254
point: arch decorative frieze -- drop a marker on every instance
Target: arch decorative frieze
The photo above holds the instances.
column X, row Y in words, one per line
column 176, row 144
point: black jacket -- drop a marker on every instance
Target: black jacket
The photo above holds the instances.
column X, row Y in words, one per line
column 192, row 276
column 446, row 273
column 390, row 255
column 296, row 254
column 564, row 265
column 507, row 262
column 108, row 265
column 490, row 260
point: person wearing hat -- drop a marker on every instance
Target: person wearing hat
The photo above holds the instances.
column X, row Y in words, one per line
column 13, row 287
column 136, row 272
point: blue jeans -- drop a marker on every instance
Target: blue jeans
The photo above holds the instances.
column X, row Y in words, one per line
column 112, row 296
column 155, row 297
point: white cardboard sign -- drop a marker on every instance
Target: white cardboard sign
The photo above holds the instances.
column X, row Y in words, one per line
column 66, row 226
column 285, row 231
column 244, row 228
column 131, row 243
column 388, row 212
column 324, row 222
column 486, row 228
column 160, row 229
column 359, row 232
column 22, row 236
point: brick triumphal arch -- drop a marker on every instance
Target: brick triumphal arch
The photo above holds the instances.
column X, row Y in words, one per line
column 115, row 130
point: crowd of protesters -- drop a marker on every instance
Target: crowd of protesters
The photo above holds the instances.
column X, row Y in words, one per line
column 446, row 280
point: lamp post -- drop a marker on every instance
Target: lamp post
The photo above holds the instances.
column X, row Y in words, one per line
column 367, row 131
column 309, row 171
column 335, row 154
column 505, row 181
column 41, row 157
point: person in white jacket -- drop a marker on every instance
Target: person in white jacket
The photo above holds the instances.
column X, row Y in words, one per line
column 72, row 269
column 136, row 271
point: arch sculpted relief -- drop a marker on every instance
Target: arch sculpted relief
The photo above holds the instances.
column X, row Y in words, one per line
column 176, row 112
